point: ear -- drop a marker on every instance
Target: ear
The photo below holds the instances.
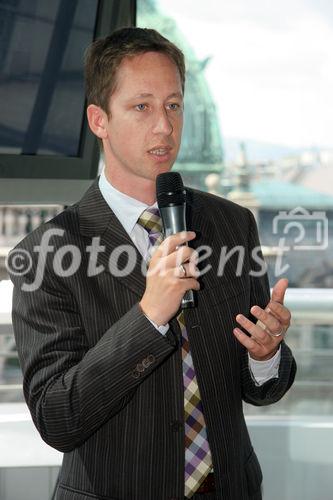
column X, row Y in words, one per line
column 97, row 119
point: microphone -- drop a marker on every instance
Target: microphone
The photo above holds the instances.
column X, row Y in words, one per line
column 171, row 201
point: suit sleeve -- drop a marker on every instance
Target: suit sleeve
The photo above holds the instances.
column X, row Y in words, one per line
column 274, row 389
column 70, row 387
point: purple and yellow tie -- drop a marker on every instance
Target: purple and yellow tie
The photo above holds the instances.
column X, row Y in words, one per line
column 150, row 219
column 198, row 460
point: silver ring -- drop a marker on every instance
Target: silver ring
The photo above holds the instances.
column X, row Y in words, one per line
column 275, row 334
column 182, row 268
column 264, row 327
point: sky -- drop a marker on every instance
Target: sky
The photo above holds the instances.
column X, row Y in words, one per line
column 271, row 72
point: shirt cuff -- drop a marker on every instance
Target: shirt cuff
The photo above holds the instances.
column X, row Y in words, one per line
column 262, row 371
column 162, row 328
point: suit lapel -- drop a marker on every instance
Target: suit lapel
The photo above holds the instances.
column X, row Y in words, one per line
column 98, row 220
column 198, row 221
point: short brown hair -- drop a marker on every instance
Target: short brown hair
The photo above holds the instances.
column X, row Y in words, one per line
column 104, row 56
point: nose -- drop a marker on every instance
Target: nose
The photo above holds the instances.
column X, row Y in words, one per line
column 162, row 123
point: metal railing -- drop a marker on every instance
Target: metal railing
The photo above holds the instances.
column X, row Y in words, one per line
column 310, row 309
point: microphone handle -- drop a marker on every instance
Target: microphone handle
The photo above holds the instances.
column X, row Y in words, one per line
column 188, row 300
column 174, row 221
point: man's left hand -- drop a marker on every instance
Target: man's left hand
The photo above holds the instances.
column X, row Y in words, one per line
column 273, row 322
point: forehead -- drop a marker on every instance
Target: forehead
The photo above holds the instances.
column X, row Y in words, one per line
column 146, row 73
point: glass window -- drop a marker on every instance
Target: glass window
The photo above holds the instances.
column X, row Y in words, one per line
column 16, row 221
column 41, row 75
column 257, row 119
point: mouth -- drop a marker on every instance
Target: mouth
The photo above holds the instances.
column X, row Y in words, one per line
column 160, row 150
column 161, row 153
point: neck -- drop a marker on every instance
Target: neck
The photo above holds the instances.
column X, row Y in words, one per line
column 140, row 189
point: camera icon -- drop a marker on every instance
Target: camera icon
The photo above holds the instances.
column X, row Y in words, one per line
column 308, row 230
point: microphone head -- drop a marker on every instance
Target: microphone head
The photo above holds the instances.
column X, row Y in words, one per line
column 170, row 189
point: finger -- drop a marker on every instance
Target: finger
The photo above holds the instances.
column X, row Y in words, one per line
column 280, row 312
column 267, row 320
column 279, row 290
column 183, row 254
column 171, row 275
column 190, row 284
column 187, row 270
column 161, row 263
column 177, row 258
column 247, row 342
column 192, row 269
column 255, row 349
column 175, row 264
column 170, row 244
column 261, row 336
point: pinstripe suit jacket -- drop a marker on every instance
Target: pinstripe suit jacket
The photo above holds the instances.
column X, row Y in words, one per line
column 104, row 387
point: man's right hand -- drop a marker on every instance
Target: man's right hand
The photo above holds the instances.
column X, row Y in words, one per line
column 166, row 281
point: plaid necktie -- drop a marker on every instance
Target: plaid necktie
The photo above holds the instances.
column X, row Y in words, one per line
column 150, row 219
column 198, row 460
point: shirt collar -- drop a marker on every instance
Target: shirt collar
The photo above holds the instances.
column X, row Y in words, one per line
column 126, row 209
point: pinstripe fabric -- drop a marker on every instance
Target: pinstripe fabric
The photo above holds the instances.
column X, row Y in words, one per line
column 106, row 390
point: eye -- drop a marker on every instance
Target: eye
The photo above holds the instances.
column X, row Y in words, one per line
column 174, row 106
column 141, row 107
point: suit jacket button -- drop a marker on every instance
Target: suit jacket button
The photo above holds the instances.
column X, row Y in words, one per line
column 151, row 358
column 135, row 373
column 176, row 425
column 140, row 367
column 146, row 363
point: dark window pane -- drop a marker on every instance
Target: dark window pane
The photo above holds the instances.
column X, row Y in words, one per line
column 41, row 74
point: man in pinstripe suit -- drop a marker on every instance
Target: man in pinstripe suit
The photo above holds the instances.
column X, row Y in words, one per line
column 101, row 351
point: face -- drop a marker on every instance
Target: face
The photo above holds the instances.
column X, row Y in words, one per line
column 143, row 130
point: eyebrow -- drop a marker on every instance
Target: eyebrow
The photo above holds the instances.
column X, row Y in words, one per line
column 145, row 95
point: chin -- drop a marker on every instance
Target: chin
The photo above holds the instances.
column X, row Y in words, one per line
column 162, row 169
column 151, row 173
